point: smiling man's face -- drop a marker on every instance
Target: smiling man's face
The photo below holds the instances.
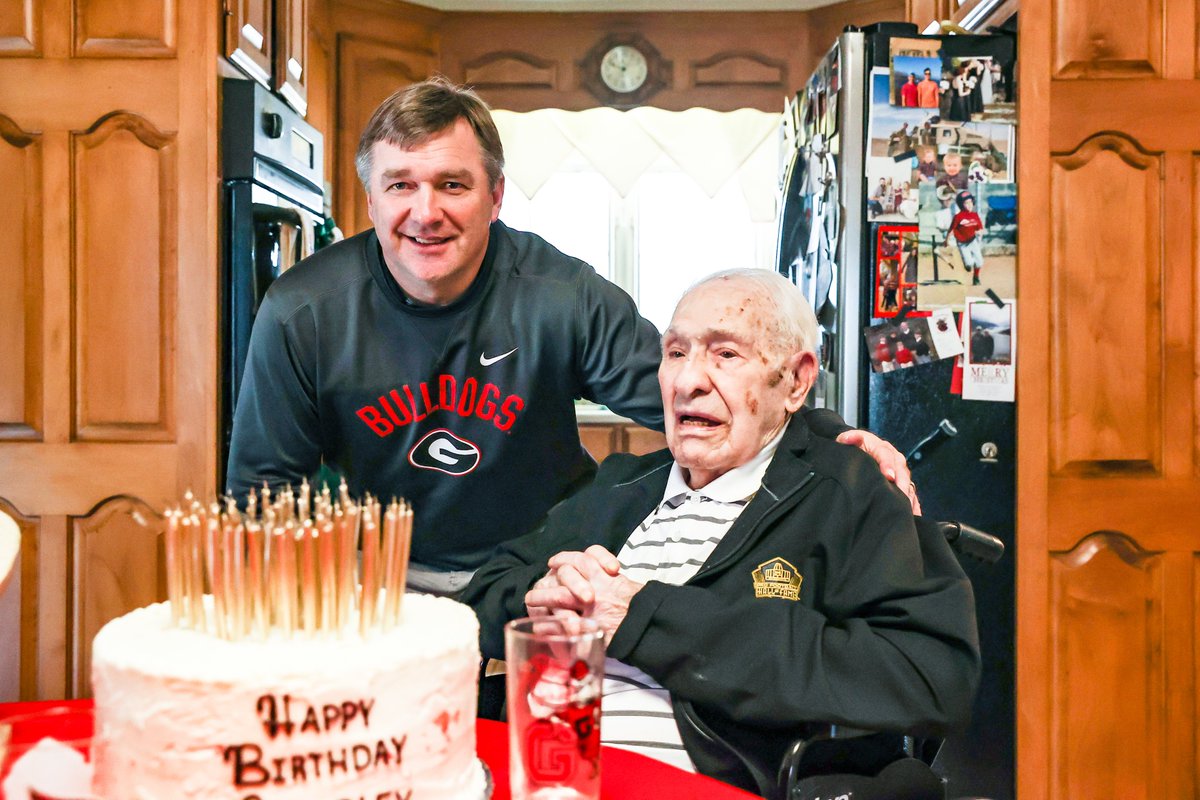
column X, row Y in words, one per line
column 727, row 389
column 431, row 205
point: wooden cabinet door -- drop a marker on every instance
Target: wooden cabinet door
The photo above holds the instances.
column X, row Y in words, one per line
column 291, row 52
column 640, row 441
column 248, row 42
column 108, row 306
column 600, row 441
column 1108, row 570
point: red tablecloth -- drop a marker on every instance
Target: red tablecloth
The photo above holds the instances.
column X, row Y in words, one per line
column 624, row 775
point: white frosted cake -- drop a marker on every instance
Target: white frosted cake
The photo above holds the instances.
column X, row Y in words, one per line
column 182, row 714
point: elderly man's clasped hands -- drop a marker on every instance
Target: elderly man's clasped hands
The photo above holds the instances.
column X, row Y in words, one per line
column 587, row 584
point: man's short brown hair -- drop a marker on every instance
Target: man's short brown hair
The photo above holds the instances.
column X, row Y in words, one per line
column 416, row 113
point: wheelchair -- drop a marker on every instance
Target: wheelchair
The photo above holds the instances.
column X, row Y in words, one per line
column 834, row 762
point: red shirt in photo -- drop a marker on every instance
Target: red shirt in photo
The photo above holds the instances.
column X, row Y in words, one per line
column 883, row 353
column 965, row 226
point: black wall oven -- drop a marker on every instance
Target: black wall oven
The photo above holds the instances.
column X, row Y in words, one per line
column 272, row 170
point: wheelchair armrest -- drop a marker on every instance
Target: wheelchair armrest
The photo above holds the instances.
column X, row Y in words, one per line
column 827, row 749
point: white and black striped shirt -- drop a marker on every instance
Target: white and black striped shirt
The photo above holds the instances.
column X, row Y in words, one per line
column 670, row 546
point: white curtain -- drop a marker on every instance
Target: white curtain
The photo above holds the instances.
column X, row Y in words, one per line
column 711, row 147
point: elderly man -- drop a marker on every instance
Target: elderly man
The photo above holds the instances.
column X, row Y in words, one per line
column 753, row 577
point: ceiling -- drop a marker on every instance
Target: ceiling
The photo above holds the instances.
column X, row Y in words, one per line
column 624, row 5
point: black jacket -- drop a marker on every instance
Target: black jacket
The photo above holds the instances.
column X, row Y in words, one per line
column 882, row 634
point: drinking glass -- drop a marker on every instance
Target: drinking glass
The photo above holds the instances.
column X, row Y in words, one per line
column 555, row 673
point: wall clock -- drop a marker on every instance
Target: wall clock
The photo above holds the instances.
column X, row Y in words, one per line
column 624, row 70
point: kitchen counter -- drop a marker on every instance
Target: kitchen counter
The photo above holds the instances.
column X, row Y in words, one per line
column 593, row 414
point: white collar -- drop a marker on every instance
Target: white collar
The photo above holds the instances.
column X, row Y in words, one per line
column 739, row 484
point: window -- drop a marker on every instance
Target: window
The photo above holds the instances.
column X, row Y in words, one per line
column 571, row 211
column 665, row 231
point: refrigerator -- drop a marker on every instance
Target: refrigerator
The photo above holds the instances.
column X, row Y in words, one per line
column 898, row 216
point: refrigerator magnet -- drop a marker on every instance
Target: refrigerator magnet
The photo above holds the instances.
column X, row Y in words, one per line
column 916, row 65
column 990, row 349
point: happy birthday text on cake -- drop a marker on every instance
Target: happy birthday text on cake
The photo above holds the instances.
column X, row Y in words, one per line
column 286, row 716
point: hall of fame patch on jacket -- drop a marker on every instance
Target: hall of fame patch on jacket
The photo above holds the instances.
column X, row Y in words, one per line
column 777, row 578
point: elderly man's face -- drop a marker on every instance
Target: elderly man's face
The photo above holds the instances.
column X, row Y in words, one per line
column 726, row 389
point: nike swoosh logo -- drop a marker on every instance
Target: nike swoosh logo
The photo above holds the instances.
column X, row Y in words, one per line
column 484, row 361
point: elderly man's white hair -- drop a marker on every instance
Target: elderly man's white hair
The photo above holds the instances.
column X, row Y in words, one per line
column 794, row 327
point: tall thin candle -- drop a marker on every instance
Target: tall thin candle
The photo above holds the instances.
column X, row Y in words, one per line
column 174, row 562
column 370, row 572
column 390, row 562
column 255, row 578
column 309, row 590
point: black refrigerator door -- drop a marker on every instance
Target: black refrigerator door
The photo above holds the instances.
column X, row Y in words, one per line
column 969, row 477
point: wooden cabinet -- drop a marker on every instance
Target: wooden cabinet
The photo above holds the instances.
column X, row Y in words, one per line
column 248, row 37
column 640, row 441
column 268, row 40
column 604, row 439
column 291, row 52
column 1108, row 556
column 108, row 312
column 600, row 440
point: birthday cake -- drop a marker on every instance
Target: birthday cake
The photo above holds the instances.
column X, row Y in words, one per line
column 183, row 714
column 288, row 663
